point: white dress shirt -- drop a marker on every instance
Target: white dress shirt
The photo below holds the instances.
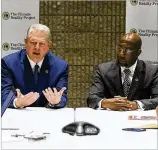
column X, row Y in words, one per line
column 32, row 63
column 132, row 69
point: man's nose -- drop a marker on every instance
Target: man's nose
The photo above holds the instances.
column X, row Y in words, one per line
column 37, row 46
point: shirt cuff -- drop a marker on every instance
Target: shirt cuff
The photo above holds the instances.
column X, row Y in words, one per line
column 140, row 105
column 99, row 104
column 14, row 103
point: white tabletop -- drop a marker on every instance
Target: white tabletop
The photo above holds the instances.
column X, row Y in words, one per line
column 39, row 120
column 110, row 123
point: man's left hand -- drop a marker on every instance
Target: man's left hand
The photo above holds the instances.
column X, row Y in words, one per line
column 133, row 105
column 53, row 96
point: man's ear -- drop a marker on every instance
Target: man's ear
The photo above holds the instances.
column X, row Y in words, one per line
column 25, row 40
column 139, row 52
column 50, row 44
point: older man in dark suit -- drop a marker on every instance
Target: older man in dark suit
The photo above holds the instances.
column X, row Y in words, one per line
column 39, row 77
column 127, row 83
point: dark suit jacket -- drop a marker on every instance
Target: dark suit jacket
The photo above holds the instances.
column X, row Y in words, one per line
column 107, row 84
column 16, row 72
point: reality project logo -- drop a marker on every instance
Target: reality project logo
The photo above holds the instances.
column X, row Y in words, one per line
column 145, row 32
column 17, row 16
column 12, row 46
column 6, row 15
column 134, row 2
column 5, row 46
column 133, row 30
column 144, row 2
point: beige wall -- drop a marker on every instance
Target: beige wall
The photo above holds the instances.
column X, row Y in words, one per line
column 85, row 34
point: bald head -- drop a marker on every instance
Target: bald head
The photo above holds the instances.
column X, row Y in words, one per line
column 133, row 39
column 129, row 49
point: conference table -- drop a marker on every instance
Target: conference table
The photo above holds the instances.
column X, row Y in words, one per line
column 50, row 121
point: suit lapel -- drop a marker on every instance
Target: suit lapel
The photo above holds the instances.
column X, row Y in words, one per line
column 28, row 76
column 53, row 70
column 26, row 72
column 115, row 75
column 44, row 73
column 22, row 59
column 138, row 79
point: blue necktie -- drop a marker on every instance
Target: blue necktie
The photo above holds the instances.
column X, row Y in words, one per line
column 36, row 73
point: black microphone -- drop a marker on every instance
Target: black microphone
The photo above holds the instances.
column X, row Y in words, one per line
column 8, row 100
column 80, row 128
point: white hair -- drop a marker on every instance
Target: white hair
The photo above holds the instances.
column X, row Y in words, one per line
column 39, row 27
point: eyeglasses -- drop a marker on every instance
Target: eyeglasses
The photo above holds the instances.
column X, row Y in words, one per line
column 125, row 50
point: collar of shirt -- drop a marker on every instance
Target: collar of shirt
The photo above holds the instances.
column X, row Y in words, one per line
column 32, row 63
column 132, row 69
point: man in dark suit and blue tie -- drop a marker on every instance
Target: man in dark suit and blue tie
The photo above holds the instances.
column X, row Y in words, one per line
column 127, row 83
column 39, row 77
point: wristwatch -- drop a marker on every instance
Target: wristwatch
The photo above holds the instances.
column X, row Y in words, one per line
column 140, row 105
column 49, row 105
